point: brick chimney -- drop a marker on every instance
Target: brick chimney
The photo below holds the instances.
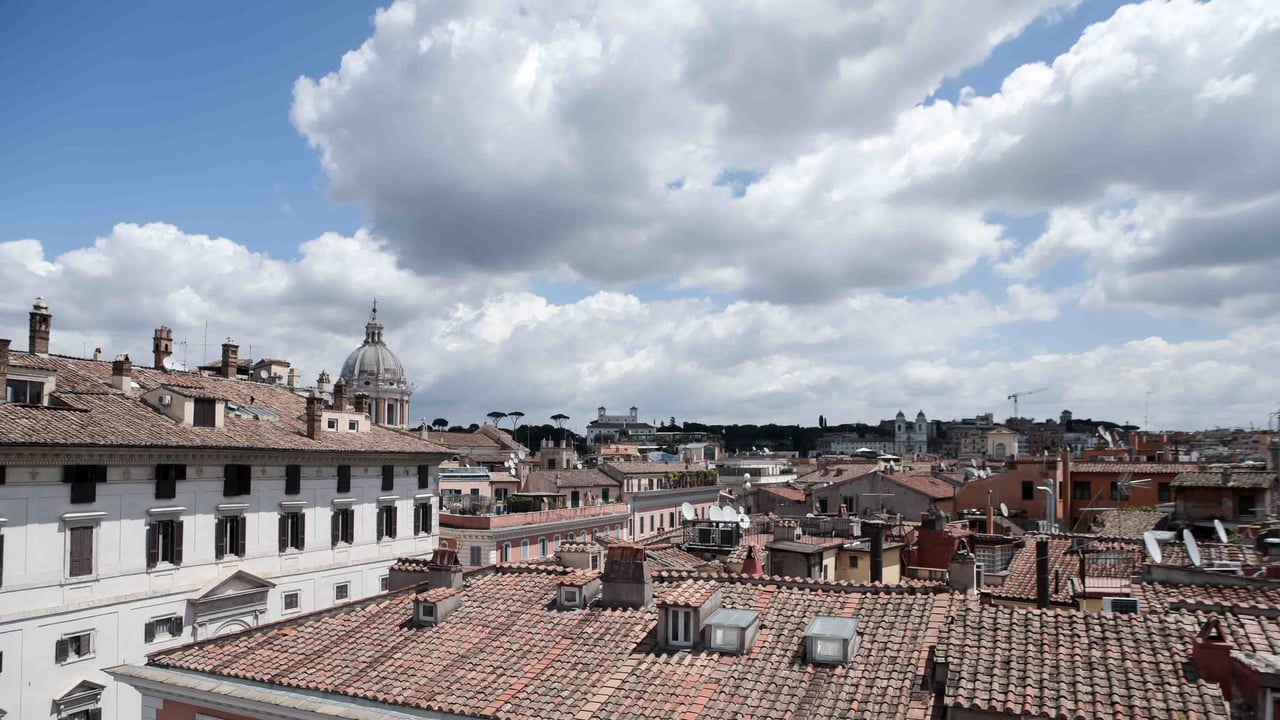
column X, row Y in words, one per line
column 1042, row 572
column 626, row 577
column 122, row 374
column 161, row 346
column 230, row 359
column 362, row 403
column 340, row 396
column 38, row 328
column 444, row 570
column 293, row 378
column 314, row 417
column 1211, row 655
column 4, row 365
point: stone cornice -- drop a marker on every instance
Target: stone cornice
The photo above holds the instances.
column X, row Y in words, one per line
column 36, row 456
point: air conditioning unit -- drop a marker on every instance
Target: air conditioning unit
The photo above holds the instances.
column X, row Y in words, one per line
column 1226, row 567
column 1120, row 605
column 166, row 399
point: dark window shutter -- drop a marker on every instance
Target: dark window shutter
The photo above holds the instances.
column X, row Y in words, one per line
column 333, row 525
column 179, row 472
column 166, row 488
column 99, row 473
column 153, row 544
column 94, row 714
column 417, row 520
column 382, row 524
column 60, row 651
column 229, row 484
column 284, row 532
column 344, row 478
column 424, row 477
column 392, row 530
column 177, row 542
column 292, row 479
column 1, row 560
column 178, row 626
column 220, row 538
column 388, row 478
column 427, row 519
column 244, row 527
column 149, row 632
column 81, row 551
column 3, row 472
column 302, row 530
column 351, row 526
column 246, row 479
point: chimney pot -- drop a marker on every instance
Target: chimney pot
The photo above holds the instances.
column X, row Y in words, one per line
column 122, row 374
column 97, row 354
column 340, row 396
column 314, row 417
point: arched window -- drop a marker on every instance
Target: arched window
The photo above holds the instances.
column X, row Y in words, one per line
column 555, row 542
column 1000, row 451
column 542, row 547
column 524, row 549
column 506, row 552
column 571, row 536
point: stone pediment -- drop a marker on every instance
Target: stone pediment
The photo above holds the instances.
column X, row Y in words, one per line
column 83, row 695
column 237, row 582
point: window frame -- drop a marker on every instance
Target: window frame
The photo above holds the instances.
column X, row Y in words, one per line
column 292, row 527
column 292, row 479
column 223, row 538
column 342, row 531
column 1028, row 490
column 64, row 657
column 91, row 527
column 423, row 517
column 164, row 540
column 284, row 601
column 151, row 632
column 387, row 516
column 342, row 588
column 680, row 627
column 344, row 479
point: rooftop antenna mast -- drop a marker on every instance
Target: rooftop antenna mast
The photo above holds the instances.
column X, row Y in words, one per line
column 1014, row 397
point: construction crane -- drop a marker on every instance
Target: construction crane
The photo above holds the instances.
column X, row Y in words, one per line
column 1014, row 397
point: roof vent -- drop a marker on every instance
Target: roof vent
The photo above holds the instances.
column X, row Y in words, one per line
column 434, row 606
column 831, row 640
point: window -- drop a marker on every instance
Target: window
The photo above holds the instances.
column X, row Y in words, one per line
column 28, row 392
column 422, row 518
column 384, row 582
column 575, row 499
column 205, row 414
column 292, row 479
column 604, row 495
column 229, row 536
column 555, row 542
column 331, row 424
column 87, row 714
column 475, row 556
column 595, row 561
column 1119, row 490
column 81, row 551
column 828, row 650
column 1247, row 505
column 388, row 478
column 726, row 638
column 542, row 547
column 1164, row 492
column 353, row 426
column 164, row 542
column 853, row 561
column 569, row 596
column 671, row 519
column 236, row 480
column 341, row 591
column 506, row 552
column 680, row 626
column 293, row 530
column 822, row 505
column 524, row 549
column 426, row 612
column 387, row 522
column 424, row 477
column 641, row 526
column 342, row 525
column 571, row 537
column 84, row 481
column 162, row 629
column 344, row 478
column 74, row 647
column 292, row 600
column 1028, row 490
column 1081, row 490
column 167, row 477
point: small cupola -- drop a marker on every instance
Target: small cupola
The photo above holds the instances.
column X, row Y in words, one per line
column 434, row 606
column 831, row 640
column 577, row 589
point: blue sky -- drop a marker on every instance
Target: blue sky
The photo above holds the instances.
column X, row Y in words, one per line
column 558, row 166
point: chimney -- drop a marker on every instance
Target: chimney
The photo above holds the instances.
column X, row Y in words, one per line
column 4, row 365
column 97, row 354
column 1274, row 455
column 444, row 570
column 1211, row 655
column 876, row 529
column 230, row 359
column 962, row 571
column 627, row 582
column 314, row 417
column 751, row 565
column 1042, row 572
column 122, row 374
column 362, row 403
column 38, row 328
column 293, row 377
column 322, row 382
column 340, row 396
column 161, row 346
column 786, row 530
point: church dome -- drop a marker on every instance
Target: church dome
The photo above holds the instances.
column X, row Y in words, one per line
column 372, row 364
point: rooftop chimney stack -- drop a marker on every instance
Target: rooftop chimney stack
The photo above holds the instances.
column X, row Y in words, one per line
column 38, row 328
column 293, row 377
column 230, row 359
column 444, row 570
column 362, row 403
column 786, row 530
column 626, row 577
column 876, row 528
column 4, row 365
column 340, row 396
column 122, row 374
column 962, row 571
column 161, row 346
column 322, row 382
column 314, row 417
column 1042, row 572
column 97, row 354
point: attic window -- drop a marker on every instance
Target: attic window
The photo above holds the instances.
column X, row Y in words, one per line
column 732, row 630
column 831, row 640
column 569, row 596
column 332, row 423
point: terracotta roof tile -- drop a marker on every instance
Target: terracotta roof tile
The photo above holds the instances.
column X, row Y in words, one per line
column 579, row 577
column 1162, row 598
column 1120, row 522
column 436, row 595
column 691, row 593
column 1144, row 468
column 1225, row 479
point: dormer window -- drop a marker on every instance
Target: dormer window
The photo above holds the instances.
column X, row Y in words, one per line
column 434, row 606
column 680, row 627
column 831, row 640
column 732, row 630
column 570, row 597
column 576, row 589
column 427, row 613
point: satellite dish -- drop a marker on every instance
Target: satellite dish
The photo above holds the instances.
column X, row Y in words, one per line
column 167, row 363
column 1193, row 550
column 729, row 515
column 808, row 515
column 744, row 522
column 1222, row 532
column 1153, row 547
column 512, row 471
column 577, row 466
column 715, row 514
column 1004, row 510
column 686, row 511
column 742, row 511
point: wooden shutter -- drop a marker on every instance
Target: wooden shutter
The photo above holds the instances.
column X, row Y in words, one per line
column 60, row 651
column 344, row 478
column 350, row 529
column 2, row 474
column 284, row 531
column 229, row 485
column 424, row 477
column 333, row 525
column 292, row 479
column 244, row 528
column 220, row 538
column 427, row 517
column 99, row 473
column 149, row 632
column 302, row 530
column 382, row 525
column 177, row 623
column 391, row 531
column 388, row 478
column 153, row 544
column 246, row 479
column 81, row 551
column 417, row 519
column 177, row 542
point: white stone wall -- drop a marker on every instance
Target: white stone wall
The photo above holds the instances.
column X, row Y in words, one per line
column 39, row 603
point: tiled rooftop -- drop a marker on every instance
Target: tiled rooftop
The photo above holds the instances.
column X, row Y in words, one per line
column 1103, row 559
column 1143, row 468
column 1223, row 479
column 1018, row 662
column 555, row 480
column 924, row 484
column 690, row 593
column 1126, row 523
column 1161, row 598
column 96, row 414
